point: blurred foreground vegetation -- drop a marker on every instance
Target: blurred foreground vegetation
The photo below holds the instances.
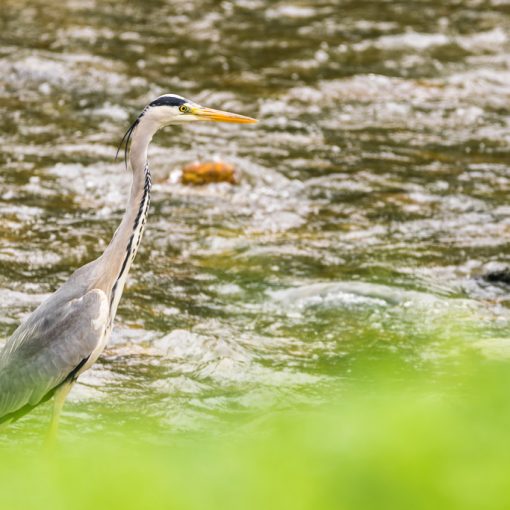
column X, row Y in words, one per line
column 440, row 441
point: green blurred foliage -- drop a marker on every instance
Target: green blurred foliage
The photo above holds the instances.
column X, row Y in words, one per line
column 436, row 442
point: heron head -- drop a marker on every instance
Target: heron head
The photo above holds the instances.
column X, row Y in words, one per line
column 173, row 109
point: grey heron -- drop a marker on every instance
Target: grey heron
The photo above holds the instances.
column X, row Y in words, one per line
column 66, row 334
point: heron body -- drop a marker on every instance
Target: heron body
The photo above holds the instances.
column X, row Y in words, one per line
column 66, row 334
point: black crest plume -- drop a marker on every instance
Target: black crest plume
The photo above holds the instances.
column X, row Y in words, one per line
column 127, row 138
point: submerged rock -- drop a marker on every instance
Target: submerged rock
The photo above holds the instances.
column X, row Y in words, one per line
column 498, row 276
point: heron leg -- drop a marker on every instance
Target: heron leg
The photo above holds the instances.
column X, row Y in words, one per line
column 58, row 403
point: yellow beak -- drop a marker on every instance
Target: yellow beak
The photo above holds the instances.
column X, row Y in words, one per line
column 219, row 116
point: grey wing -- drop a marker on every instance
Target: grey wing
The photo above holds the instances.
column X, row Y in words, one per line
column 48, row 347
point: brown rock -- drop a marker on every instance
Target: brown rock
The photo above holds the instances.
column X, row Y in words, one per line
column 207, row 172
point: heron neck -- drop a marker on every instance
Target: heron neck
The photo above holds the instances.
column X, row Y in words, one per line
column 121, row 251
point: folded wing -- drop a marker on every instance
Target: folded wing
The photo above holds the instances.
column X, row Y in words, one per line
column 48, row 348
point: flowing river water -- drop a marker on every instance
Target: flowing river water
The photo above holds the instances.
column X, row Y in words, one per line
column 372, row 200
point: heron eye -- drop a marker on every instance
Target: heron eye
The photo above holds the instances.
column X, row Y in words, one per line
column 184, row 108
